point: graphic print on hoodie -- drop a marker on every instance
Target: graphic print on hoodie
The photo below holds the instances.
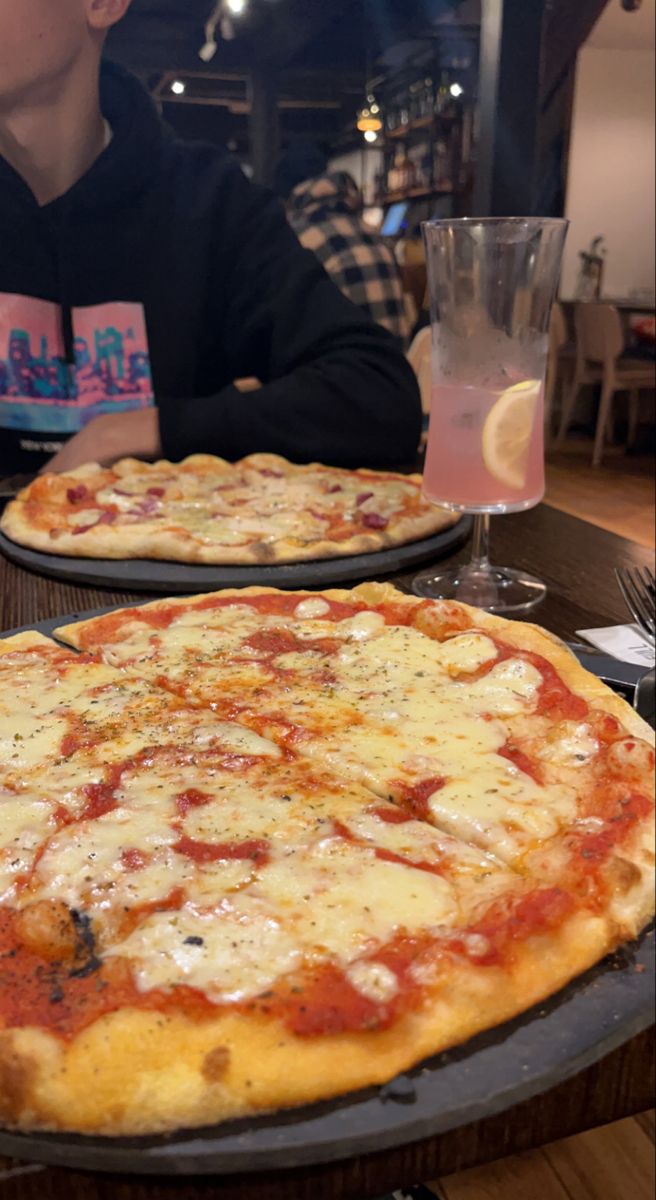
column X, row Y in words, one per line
column 42, row 393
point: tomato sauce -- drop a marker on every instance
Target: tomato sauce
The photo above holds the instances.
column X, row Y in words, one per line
column 555, row 699
column 522, row 761
column 621, row 811
column 325, row 1002
column 36, row 991
column 255, row 849
column 391, row 816
column 504, row 925
column 415, row 797
column 192, row 798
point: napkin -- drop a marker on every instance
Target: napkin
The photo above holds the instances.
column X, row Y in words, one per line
column 625, row 642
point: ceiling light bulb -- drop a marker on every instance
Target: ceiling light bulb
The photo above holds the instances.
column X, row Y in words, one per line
column 456, row 89
column 178, row 87
column 236, row 7
column 370, row 135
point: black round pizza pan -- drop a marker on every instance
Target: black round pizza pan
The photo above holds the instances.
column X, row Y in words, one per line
column 592, row 1016
column 154, row 575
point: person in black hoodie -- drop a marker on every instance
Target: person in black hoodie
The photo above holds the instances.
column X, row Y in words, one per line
column 140, row 276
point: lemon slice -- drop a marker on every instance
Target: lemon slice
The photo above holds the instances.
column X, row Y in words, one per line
column 507, row 433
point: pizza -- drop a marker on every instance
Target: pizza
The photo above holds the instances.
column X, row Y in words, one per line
column 262, row 510
column 263, row 848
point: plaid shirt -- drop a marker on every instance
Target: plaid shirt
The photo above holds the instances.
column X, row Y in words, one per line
column 323, row 214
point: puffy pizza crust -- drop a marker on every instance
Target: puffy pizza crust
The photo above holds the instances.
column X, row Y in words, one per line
column 147, row 539
column 153, row 1073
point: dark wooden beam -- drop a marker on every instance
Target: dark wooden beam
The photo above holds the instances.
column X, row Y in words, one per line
column 263, row 123
column 510, row 96
column 567, row 26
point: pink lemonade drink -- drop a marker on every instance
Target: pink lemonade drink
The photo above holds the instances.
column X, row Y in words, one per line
column 485, row 447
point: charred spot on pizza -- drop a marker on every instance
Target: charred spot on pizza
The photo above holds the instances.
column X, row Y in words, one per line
column 623, row 875
column 86, row 960
column 215, row 1064
column 264, row 552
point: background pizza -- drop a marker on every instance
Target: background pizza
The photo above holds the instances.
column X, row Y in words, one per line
column 262, row 509
column 260, row 848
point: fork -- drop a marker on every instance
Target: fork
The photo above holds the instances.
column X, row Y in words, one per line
column 638, row 587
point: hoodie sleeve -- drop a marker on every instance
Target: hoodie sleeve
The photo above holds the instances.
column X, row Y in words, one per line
column 336, row 387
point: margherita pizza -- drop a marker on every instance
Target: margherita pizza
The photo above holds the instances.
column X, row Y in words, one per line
column 262, row 509
column 259, row 848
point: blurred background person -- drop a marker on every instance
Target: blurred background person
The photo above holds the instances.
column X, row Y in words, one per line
column 324, row 209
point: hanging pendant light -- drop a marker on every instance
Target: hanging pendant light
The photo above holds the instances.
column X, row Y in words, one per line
column 369, row 118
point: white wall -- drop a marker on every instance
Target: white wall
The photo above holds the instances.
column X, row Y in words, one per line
column 610, row 187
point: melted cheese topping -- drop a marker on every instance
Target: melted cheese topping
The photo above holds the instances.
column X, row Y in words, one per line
column 417, row 842
column 571, row 745
column 273, row 863
column 244, row 949
column 401, row 708
column 339, row 898
column 331, row 903
column 373, row 980
column 25, row 822
column 495, row 805
column 467, row 651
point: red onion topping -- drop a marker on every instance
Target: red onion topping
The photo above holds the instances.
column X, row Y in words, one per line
column 374, row 521
column 145, row 507
column 155, row 491
column 74, row 494
column 360, row 499
column 105, row 518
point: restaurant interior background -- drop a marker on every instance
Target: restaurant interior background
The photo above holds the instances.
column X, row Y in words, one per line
column 416, row 99
column 431, row 83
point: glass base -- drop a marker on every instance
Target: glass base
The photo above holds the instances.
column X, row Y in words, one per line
column 496, row 589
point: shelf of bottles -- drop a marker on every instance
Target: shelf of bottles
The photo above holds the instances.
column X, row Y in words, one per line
column 429, row 131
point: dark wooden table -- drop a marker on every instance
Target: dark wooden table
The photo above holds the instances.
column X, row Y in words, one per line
column 576, row 560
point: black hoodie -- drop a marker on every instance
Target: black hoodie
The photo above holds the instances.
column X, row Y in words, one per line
column 164, row 274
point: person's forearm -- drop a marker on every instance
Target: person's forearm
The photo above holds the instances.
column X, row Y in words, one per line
column 344, row 411
column 111, row 436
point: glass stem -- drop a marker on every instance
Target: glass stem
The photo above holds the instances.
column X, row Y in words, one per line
column 480, row 559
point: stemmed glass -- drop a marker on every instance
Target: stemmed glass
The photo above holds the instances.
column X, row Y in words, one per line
column 492, row 282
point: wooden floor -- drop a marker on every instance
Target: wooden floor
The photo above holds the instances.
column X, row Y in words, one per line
column 616, row 1162
column 618, row 495
column 612, row 1163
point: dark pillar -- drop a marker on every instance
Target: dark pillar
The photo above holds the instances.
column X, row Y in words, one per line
column 263, row 122
column 510, row 93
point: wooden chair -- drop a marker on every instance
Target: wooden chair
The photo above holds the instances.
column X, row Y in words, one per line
column 557, row 339
column 419, row 357
column 599, row 344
